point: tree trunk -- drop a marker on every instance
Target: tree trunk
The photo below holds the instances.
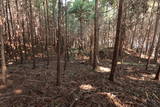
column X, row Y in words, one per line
column 95, row 53
column 66, row 37
column 145, row 36
column 157, row 49
column 4, row 68
column 154, row 37
column 7, row 6
column 149, row 29
column 58, row 43
column 54, row 22
column 157, row 74
column 31, row 34
column 134, row 34
column 20, row 51
column 47, row 30
column 81, row 35
column 116, row 47
column 24, row 40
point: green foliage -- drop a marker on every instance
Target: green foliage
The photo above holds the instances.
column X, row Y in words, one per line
column 81, row 9
column 39, row 4
column 110, row 2
column 73, row 52
column 139, row 6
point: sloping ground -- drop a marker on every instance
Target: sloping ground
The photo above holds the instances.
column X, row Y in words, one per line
column 129, row 55
column 80, row 87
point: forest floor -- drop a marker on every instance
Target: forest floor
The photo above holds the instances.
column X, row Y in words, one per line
column 81, row 86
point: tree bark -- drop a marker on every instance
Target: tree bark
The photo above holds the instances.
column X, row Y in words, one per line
column 134, row 34
column 4, row 67
column 154, row 37
column 157, row 49
column 66, row 38
column 116, row 47
column 31, row 34
column 47, row 30
column 95, row 54
column 58, row 43
column 157, row 74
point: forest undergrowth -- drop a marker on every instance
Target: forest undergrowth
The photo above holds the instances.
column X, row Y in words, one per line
column 80, row 86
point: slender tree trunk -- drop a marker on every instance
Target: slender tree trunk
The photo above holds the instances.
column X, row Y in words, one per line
column 8, row 27
column 134, row 34
column 122, row 33
column 31, row 34
column 157, row 74
column 108, row 34
column 58, row 43
column 81, row 35
column 114, row 60
column 3, row 61
column 95, row 52
column 18, row 33
column 24, row 40
column 91, row 48
column 145, row 36
column 14, row 52
column 46, row 31
column 147, row 45
column 149, row 29
column 54, row 22
column 66, row 37
column 157, row 50
column 4, row 67
column 154, row 37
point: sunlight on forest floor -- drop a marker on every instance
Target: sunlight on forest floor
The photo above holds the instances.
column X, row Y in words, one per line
column 112, row 97
column 1, row 76
column 18, row 91
column 108, row 94
column 130, row 63
column 87, row 87
column 132, row 78
column 10, row 63
column 103, row 69
column 2, row 87
column 84, row 87
column 148, row 75
column 143, row 77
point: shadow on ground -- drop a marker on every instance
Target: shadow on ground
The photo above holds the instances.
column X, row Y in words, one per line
column 80, row 87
